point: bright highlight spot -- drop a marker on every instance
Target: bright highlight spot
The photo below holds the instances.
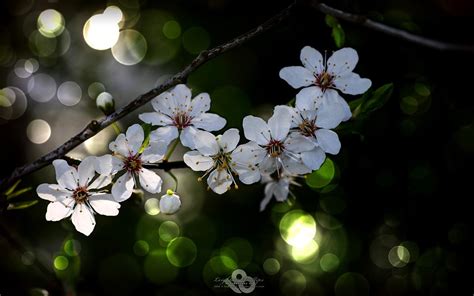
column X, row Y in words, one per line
column 399, row 256
column 305, row 253
column 102, row 31
column 297, row 228
column 130, row 48
column 61, row 263
column 152, row 206
column 38, row 131
column 50, row 23
column 69, row 93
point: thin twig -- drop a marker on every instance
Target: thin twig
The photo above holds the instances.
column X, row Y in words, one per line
column 96, row 126
column 380, row 27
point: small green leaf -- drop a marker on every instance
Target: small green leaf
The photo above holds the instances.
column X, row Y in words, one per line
column 21, row 205
column 323, row 176
column 12, row 188
column 18, row 193
column 378, row 98
column 338, row 35
column 331, row 21
column 147, row 130
column 291, row 103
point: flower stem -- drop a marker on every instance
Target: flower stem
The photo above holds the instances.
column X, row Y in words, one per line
column 171, row 149
column 174, row 179
column 116, row 128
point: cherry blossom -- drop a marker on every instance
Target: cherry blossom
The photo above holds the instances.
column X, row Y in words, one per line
column 78, row 193
column 170, row 203
column 278, row 187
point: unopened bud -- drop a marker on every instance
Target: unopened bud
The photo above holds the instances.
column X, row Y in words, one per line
column 105, row 102
column 170, row 202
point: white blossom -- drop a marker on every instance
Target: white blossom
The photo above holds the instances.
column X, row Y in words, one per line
column 78, row 193
column 129, row 156
column 216, row 156
column 170, row 203
column 278, row 187
column 321, row 79
column 178, row 115
column 272, row 147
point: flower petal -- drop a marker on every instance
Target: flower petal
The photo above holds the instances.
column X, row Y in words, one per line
column 219, row 181
column 120, row 145
column 328, row 141
column 206, row 143
column 342, row 61
column 256, row 129
column 209, row 122
column 308, row 98
column 164, row 103
column 100, row 182
column 182, row 96
column 352, row 84
column 165, row 134
column 198, row 162
column 150, row 181
column 169, row 204
column 248, row 174
column 229, row 140
column 269, row 165
column 83, row 219
column 108, row 164
column 58, row 210
column 246, row 154
column 312, row 60
column 282, row 189
column 298, row 143
column 314, row 158
column 280, row 123
column 269, row 188
column 294, row 165
column 123, row 187
column 332, row 110
column 104, row 204
column 51, row 192
column 187, row 137
column 154, row 152
column 200, row 104
column 155, row 118
column 135, row 137
column 297, row 76
column 86, row 170
column 65, row 175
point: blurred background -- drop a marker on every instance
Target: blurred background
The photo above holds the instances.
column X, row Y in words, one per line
column 389, row 215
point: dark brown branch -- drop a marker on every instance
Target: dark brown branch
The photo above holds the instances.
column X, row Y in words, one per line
column 96, row 126
column 165, row 165
column 398, row 33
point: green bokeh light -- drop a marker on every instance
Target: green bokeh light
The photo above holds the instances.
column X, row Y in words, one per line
column 50, row 23
column 323, row 176
column 61, row 262
column 168, row 231
column 297, row 228
column 240, row 250
column 172, row 29
column 329, row 262
column 158, row 269
column 181, row 252
column 141, row 248
column 195, row 40
column 293, row 282
column 271, row 266
column 72, row 247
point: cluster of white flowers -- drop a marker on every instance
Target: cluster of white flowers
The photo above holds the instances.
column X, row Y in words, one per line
column 293, row 142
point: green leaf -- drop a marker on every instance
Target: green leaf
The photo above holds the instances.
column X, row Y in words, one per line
column 331, row 21
column 338, row 35
column 19, row 192
column 21, row 205
column 147, row 130
column 291, row 103
column 378, row 98
column 12, row 188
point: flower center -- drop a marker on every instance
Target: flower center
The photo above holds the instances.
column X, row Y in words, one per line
column 133, row 163
column 182, row 120
column 222, row 160
column 324, row 80
column 80, row 195
column 308, row 127
column 274, row 148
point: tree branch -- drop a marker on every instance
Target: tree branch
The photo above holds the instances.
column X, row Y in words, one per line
column 398, row 33
column 96, row 126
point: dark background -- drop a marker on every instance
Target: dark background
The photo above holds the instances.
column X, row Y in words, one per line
column 405, row 174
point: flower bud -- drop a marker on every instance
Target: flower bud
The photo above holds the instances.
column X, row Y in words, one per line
column 170, row 202
column 105, row 102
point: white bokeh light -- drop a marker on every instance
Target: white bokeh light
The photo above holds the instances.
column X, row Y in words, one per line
column 38, row 131
column 102, row 31
column 69, row 93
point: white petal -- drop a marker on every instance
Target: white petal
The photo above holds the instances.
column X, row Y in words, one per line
column 206, row 143
column 154, row 152
column 135, row 137
column 342, row 61
column 104, row 204
column 312, row 60
column 282, row 189
column 164, row 103
column 100, row 182
column 58, row 210
column 86, row 170
column 200, row 104
column 248, row 175
column 269, row 188
column 123, row 187
column 298, row 143
column 256, row 129
column 155, row 118
column 209, row 122
column 294, row 115
column 150, row 181
column 83, row 219
column 269, row 165
column 219, row 181
column 165, row 134
column 120, row 145
column 352, row 84
column 246, row 154
column 332, row 111
column 294, row 165
column 198, row 162
column 52, row 192
column 297, row 76
column 308, row 98
column 169, row 204
column 65, row 175
column 280, row 123
column 229, row 140
column 182, row 96
column 108, row 164
column 314, row 158
column 328, row 141
column 187, row 137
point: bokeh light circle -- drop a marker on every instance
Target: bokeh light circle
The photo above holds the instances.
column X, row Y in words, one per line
column 101, row 31
column 50, row 23
column 297, row 228
column 329, row 262
column 94, row 89
column 130, row 48
column 141, row 248
column 292, row 282
column 305, row 253
column 399, row 256
column 38, row 131
column 61, row 262
column 42, row 87
column 168, row 231
column 171, row 29
column 69, row 93
column 72, row 247
column 351, row 283
column 271, row 266
column 13, row 103
column 152, row 206
column 181, row 252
